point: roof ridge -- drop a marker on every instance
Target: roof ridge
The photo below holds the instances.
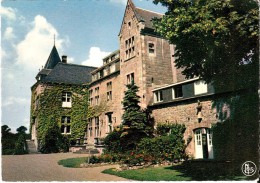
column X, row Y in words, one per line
column 149, row 11
column 76, row 65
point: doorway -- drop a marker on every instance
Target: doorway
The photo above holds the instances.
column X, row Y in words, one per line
column 203, row 143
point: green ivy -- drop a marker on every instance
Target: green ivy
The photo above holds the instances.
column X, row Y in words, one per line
column 50, row 109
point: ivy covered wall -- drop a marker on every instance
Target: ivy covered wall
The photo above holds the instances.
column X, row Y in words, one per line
column 46, row 108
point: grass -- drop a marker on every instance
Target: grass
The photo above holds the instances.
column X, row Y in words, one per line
column 183, row 172
column 72, row 162
column 150, row 174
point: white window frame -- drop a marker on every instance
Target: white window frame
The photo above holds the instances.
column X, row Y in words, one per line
column 66, row 123
column 130, row 78
column 200, row 87
column 66, row 99
column 158, row 96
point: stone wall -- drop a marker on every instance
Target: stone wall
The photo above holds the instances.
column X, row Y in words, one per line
column 185, row 112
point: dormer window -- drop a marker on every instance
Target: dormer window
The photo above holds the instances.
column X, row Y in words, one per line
column 158, row 96
column 200, row 87
column 66, row 99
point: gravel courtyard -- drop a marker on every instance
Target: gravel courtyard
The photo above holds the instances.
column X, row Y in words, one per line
column 44, row 167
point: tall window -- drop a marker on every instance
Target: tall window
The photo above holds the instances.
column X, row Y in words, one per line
column 151, row 48
column 109, row 123
column 129, row 47
column 130, row 78
column 91, row 97
column 90, row 133
column 177, row 92
column 96, row 126
column 65, row 124
column 200, row 87
column 109, row 91
column 97, row 96
column 158, row 96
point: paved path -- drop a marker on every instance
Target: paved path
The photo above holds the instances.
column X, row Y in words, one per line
column 44, row 167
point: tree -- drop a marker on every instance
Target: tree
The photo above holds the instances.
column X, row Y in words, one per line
column 135, row 123
column 213, row 38
column 5, row 130
column 21, row 129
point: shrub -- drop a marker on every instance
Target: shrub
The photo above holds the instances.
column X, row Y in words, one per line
column 112, row 142
column 21, row 145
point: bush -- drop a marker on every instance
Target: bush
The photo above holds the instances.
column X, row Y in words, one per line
column 112, row 142
column 21, row 145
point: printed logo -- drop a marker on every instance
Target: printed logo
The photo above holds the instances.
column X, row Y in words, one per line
column 249, row 168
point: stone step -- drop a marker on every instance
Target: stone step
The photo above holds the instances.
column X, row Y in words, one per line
column 31, row 147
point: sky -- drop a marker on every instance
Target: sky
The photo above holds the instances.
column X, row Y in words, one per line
column 85, row 30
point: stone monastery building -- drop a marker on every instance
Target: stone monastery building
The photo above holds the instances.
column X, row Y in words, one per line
column 146, row 58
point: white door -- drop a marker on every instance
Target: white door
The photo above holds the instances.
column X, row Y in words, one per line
column 198, row 144
column 210, row 146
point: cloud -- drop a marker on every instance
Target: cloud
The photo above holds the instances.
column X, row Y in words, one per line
column 9, row 33
column 33, row 51
column 8, row 13
column 95, row 57
column 3, row 54
column 119, row 1
column 14, row 100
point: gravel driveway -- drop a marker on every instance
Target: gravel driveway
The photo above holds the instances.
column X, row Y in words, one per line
column 44, row 167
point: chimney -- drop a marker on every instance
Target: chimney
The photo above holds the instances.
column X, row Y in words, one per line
column 64, row 59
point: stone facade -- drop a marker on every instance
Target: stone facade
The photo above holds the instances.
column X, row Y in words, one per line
column 143, row 57
column 185, row 112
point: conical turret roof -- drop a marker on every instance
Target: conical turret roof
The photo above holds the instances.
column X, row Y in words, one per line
column 53, row 59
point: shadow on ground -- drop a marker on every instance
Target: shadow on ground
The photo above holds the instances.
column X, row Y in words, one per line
column 199, row 170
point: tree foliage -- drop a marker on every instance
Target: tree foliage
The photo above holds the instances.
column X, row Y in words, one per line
column 135, row 120
column 21, row 129
column 213, row 38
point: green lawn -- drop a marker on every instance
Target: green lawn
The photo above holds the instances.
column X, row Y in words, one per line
column 177, row 173
column 150, row 174
column 72, row 162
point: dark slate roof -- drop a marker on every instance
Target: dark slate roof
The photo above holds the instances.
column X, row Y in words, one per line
column 53, row 59
column 44, row 72
column 69, row 74
column 146, row 16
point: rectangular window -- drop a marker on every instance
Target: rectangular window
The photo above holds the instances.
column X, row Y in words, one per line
column 200, row 87
column 91, row 97
column 97, row 127
column 129, row 48
column 151, row 48
column 66, row 99
column 158, row 96
column 109, row 123
column 97, row 100
column 130, row 78
column 90, row 127
column 65, row 125
column 177, row 92
column 109, row 91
